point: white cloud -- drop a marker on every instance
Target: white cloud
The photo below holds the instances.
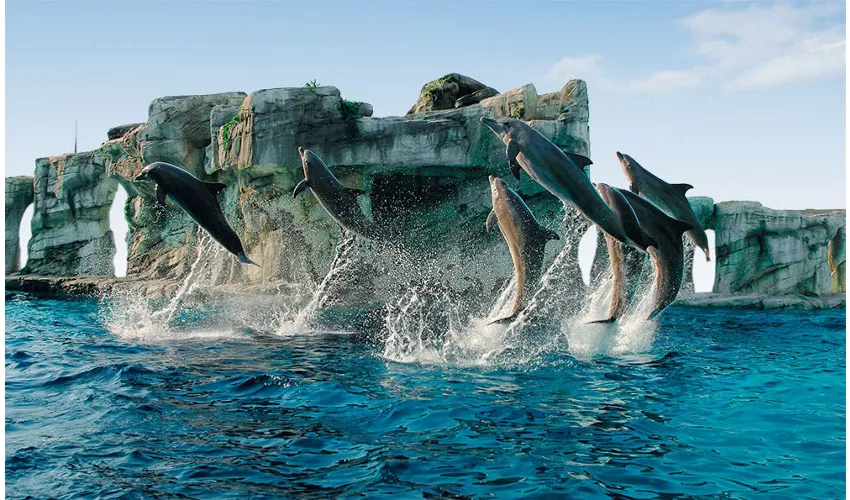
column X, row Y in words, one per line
column 661, row 81
column 574, row 67
column 741, row 47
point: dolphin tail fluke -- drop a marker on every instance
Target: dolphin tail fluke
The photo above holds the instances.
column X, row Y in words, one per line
column 301, row 186
column 505, row 320
column 245, row 260
column 606, row 320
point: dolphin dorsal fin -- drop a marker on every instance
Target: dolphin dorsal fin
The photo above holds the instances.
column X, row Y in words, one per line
column 682, row 188
column 581, row 161
column 215, row 187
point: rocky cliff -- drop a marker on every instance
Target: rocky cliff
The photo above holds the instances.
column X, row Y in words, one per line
column 426, row 175
column 19, row 195
column 773, row 252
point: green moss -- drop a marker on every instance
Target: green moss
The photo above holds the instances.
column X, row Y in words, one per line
column 312, row 84
column 225, row 130
column 350, row 109
column 518, row 111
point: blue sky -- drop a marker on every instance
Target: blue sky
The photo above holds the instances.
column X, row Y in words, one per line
column 746, row 101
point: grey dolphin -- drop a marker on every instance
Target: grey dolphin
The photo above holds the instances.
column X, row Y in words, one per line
column 525, row 237
column 339, row 201
column 667, row 254
column 636, row 236
column 669, row 197
column 562, row 174
column 198, row 199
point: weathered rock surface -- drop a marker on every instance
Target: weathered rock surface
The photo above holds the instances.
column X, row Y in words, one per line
column 838, row 261
column 70, row 223
column 764, row 301
column 445, row 92
column 121, row 130
column 773, row 252
column 19, row 195
column 178, row 130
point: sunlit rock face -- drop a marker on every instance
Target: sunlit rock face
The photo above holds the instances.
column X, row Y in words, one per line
column 70, row 222
column 19, row 195
column 773, row 251
column 450, row 91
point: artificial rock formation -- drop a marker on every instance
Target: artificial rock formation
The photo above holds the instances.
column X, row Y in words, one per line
column 773, row 252
column 19, row 195
column 70, row 222
column 426, row 175
column 450, row 91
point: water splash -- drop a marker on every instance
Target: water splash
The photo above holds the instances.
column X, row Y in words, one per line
column 424, row 326
column 191, row 313
column 304, row 319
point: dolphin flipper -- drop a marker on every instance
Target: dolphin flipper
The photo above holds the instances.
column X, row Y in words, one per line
column 492, row 221
column 215, row 187
column 301, row 186
column 160, row 195
column 512, row 152
column 581, row 161
column 245, row 260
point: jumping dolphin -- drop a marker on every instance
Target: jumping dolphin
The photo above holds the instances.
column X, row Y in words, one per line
column 667, row 254
column 669, row 197
column 635, row 234
column 562, row 174
column 339, row 201
column 526, row 240
column 198, row 199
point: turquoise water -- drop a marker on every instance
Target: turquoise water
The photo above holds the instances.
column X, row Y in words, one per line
column 720, row 403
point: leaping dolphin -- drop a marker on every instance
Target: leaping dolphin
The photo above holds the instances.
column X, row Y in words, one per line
column 198, row 199
column 525, row 237
column 637, row 237
column 562, row 174
column 339, row 201
column 669, row 197
column 667, row 254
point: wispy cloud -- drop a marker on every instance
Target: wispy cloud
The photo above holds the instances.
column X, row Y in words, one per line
column 743, row 47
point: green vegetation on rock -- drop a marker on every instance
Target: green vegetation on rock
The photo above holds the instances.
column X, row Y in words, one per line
column 225, row 130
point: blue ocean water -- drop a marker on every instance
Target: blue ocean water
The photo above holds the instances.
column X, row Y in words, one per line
column 721, row 403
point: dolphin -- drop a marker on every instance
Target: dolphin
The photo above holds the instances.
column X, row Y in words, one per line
column 669, row 197
column 667, row 254
column 636, row 235
column 526, row 240
column 339, row 201
column 198, row 199
column 562, row 174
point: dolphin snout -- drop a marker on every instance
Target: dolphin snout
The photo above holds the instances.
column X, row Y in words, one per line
column 300, row 151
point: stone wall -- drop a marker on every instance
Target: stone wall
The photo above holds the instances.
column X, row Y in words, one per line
column 19, row 195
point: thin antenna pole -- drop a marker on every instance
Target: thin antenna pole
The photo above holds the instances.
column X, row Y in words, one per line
column 75, row 136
